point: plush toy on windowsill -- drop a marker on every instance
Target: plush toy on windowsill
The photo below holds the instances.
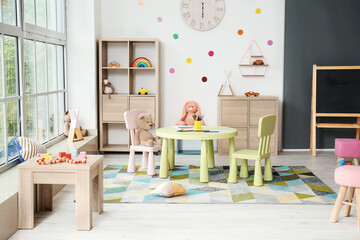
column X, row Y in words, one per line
column 67, row 118
column 143, row 136
column 190, row 108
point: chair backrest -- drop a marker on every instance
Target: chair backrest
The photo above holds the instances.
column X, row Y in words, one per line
column 266, row 129
column 130, row 122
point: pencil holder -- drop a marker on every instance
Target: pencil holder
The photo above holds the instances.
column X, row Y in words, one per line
column 197, row 125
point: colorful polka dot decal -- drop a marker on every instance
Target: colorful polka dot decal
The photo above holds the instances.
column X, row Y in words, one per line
column 270, row 42
column 258, row 10
column 211, row 53
column 159, row 19
column 175, row 36
column 172, row 70
column 141, row 3
column 240, row 32
column 204, row 79
column 188, row 60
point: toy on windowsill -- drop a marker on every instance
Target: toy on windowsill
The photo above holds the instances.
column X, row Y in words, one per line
column 143, row 91
column 251, row 93
column 114, row 64
column 67, row 118
column 190, row 108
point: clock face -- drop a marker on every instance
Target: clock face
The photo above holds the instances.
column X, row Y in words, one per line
column 202, row 15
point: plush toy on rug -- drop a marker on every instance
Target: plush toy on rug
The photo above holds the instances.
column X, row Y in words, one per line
column 168, row 190
column 67, row 118
column 190, row 108
column 143, row 136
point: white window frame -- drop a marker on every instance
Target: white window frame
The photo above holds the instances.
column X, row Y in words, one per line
column 34, row 33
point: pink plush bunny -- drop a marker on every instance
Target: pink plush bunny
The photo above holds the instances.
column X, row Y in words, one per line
column 190, row 108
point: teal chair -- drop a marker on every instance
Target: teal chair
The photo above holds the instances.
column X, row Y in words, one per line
column 266, row 129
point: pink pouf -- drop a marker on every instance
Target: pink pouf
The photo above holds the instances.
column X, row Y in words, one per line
column 347, row 148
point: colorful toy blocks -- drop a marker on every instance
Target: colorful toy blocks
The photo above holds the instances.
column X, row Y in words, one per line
column 74, row 153
column 83, row 154
column 68, row 155
column 62, row 154
column 47, row 156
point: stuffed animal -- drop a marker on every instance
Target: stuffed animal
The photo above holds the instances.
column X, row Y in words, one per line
column 107, row 89
column 190, row 108
column 143, row 136
column 67, row 118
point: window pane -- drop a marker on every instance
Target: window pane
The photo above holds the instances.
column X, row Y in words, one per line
column 40, row 13
column 61, row 114
column 51, row 14
column 60, row 15
column 29, row 11
column 11, row 65
column 42, row 119
column 2, row 136
column 13, row 126
column 9, row 11
column 1, row 69
column 51, row 58
column 41, row 66
column 30, row 119
column 53, row 126
column 29, row 65
column 60, row 65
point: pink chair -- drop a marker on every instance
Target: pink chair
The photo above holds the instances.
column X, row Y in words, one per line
column 348, row 177
column 148, row 152
column 347, row 148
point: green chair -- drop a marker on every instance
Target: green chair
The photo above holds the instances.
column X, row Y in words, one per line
column 266, row 129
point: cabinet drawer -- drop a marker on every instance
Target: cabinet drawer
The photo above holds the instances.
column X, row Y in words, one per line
column 143, row 103
column 254, row 140
column 259, row 109
column 234, row 113
column 114, row 108
column 240, row 142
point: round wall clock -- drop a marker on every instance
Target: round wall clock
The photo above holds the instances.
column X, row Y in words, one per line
column 202, row 15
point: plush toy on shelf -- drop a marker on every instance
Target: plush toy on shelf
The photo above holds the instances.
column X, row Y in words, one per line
column 67, row 118
column 190, row 108
column 107, row 89
column 142, row 135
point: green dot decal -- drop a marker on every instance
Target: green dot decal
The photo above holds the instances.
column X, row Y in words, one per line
column 175, row 36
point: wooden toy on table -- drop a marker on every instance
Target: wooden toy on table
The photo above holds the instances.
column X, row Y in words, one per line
column 47, row 156
column 82, row 154
column 62, row 154
column 75, row 131
column 74, row 153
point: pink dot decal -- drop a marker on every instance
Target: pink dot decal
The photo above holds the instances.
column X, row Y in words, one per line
column 159, row 19
column 270, row 42
column 211, row 53
column 204, row 79
column 141, row 3
column 172, row 70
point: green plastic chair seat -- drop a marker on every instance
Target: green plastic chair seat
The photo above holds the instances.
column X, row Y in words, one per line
column 250, row 154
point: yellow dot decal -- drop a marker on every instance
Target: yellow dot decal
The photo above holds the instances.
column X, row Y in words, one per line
column 258, row 10
column 189, row 60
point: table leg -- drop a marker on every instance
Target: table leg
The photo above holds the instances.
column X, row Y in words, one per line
column 26, row 199
column 83, row 200
column 210, row 155
column 233, row 162
column 44, row 197
column 204, row 171
column 97, row 188
column 164, row 161
column 171, row 153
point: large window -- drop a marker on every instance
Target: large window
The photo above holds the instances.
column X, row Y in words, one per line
column 32, row 72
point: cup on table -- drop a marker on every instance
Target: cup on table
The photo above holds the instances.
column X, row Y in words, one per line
column 197, row 125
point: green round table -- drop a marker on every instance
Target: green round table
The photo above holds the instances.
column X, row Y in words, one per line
column 207, row 152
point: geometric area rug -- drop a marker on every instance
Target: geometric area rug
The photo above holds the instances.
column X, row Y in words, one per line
column 290, row 185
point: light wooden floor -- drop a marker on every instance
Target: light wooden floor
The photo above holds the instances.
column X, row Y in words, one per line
column 201, row 221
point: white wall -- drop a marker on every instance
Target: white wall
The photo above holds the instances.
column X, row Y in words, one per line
column 81, row 59
column 126, row 19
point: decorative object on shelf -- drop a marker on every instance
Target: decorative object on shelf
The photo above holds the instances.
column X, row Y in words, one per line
column 251, row 93
column 202, row 15
column 141, row 62
column 253, row 63
column 72, row 128
column 168, row 190
column 190, row 108
column 143, row 136
column 107, row 89
column 114, row 64
column 143, row 91
column 226, row 84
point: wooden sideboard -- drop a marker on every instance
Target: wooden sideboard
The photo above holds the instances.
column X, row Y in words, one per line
column 243, row 113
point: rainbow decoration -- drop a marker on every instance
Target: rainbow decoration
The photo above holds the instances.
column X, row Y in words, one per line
column 141, row 62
